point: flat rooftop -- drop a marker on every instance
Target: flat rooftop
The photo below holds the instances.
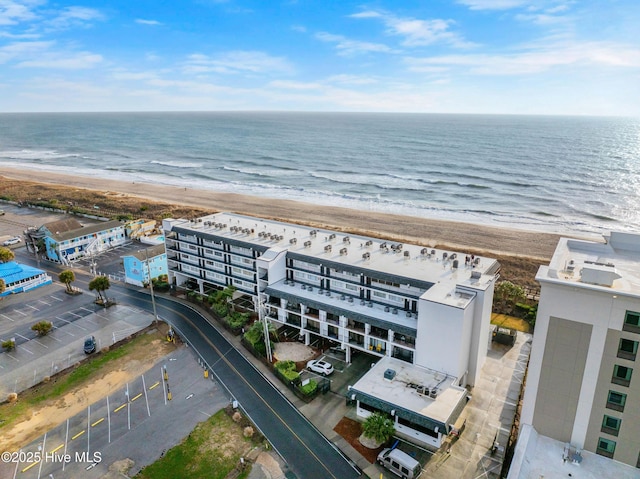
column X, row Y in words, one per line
column 538, row 456
column 400, row 392
column 405, row 260
column 613, row 265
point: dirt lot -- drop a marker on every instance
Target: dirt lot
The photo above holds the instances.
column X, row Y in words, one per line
column 51, row 412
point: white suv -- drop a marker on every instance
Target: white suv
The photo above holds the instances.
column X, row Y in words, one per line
column 10, row 241
column 320, row 367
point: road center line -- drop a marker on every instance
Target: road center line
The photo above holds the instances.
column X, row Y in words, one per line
column 78, row 435
column 97, row 422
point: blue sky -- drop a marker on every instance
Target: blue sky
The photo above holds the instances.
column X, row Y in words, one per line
column 458, row 56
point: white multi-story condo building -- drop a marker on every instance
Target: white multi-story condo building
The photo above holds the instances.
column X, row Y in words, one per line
column 583, row 383
column 424, row 307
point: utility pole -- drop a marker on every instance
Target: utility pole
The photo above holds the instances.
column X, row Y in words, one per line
column 153, row 298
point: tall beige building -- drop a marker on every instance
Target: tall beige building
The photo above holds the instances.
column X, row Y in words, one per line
column 583, row 383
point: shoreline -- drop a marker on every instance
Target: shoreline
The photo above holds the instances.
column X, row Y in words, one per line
column 430, row 232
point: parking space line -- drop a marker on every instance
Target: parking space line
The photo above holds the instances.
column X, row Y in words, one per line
column 137, row 397
column 19, row 312
column 23, row 337
column 74, row 314
column 154, row 386
column 97, row 422
column 146, row 398
column 30, row 466
column 22, row 347
column 15, row 359
column 57, row 299
column 7, row 317
column 44, row 302
column 78, row 435
column 44, row 443
column 32, row 307
column 87, row 310
column 57, row 449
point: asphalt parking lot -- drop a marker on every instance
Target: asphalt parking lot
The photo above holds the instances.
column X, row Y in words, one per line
column 138, row 422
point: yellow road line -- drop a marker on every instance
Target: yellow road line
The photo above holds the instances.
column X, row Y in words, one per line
column 119, row 407
column 78, row 435
column 30, row 466
column 97, row 422
column 57, row 449
column 155, row 385
column 136, row 397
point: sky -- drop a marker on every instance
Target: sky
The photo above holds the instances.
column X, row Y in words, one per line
column 557, row 57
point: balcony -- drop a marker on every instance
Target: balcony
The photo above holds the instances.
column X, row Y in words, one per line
column 356, row 339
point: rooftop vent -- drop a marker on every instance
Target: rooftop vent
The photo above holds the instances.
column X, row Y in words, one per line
column 366, row 256
column 424, row 251
column 346, row 239
column 343, row 251
column 293, row 241
column 389, row 374
column 307, row 244
column 368, row 243
column 327, row 249
column 313, row 232
column 383, row 245
column 332, row 236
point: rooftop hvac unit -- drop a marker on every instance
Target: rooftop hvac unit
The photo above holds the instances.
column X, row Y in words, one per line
column 383, row 245
column 350, row 299
column 476, row 261
column 407, row 254
column 332, row 236
column 444, row 255
column 395, row 311
column 313, row 233
column 389, row 374
column 433, row 252
column 199, row 220
column 366, row 256
column 368, row 243
column 327, row 248
column 261, row 234
column 453, row 256
column 433, row 393
column 224, row 226
column 387, row 309
column 293, row 241
column 455, row 264
column 303, row 286
column 343, row 251
column 424, row 251
column 309, row 288
column 476, row 274
column 307, row 244
column 346, row 239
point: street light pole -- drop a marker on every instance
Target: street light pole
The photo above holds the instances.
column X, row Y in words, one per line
column 153, row 298
column 263, row 318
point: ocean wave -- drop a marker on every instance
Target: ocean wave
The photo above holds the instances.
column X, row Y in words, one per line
column 176, row 164
column 35, row 155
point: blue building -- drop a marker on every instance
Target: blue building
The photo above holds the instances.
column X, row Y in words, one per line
column 19, row 277
column 136, row 268
column 67, row 240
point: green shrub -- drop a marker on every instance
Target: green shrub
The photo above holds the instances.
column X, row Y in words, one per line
column 237, row 320
column 8, row 345
column 288, row 370
column 220, row 309
column 42, row 327
column 310, row 388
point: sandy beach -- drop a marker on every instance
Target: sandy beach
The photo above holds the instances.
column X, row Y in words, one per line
column 535, row 246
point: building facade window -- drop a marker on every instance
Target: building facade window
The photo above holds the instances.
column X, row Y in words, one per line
column 606, row 447
column 631, row 322
column 621, row 375
column 616, row 401
column 627, row 349
column 611, row 425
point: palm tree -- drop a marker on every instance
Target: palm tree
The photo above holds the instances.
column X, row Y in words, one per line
column 378, row 427
column 100, row 284
column 67, row 277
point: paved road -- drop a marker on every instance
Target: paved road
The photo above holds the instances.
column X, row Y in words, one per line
column 308, row 453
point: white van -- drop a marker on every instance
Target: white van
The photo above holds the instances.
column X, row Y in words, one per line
column 400, row 463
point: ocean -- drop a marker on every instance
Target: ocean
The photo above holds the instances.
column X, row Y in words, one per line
column 570, row 175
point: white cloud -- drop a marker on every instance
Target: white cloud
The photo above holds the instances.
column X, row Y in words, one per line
column 292, row 85
column 349, row 47
column 418, row 32
column 493, row 4
column 351, row 80
column 13, row 12
column 74, row 17
column 530, row 62
column 299, row 28
column 147, row 22
column 73, row 61
column 238, row 62
column 18, row 50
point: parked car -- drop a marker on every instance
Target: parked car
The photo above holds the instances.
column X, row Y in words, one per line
column 89, row 345
column 320, row 367
column 10, row 241
column 400, row 463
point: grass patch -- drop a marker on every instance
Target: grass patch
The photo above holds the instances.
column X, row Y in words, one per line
column 211, row 451
column 510, row 322
column 67, row 381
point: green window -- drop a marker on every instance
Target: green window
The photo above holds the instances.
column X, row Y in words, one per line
column 632, row 322
column 616, row 401
column 627, row 349
column 621, row 375
column 611, row 425
column 606, row 447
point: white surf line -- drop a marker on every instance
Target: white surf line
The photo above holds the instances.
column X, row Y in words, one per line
column 7, row 317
